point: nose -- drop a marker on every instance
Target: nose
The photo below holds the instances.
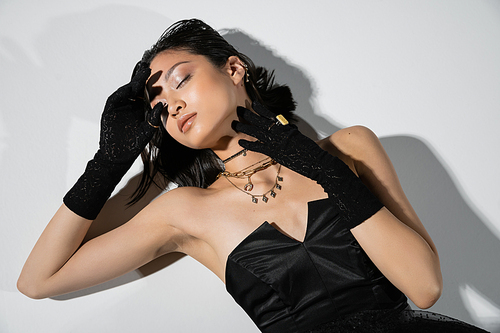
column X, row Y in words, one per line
column 175, row 108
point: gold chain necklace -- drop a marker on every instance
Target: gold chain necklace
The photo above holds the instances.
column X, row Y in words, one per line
column 271, row 191
column 248, row 173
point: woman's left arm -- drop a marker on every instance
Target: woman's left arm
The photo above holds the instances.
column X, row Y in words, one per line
column 394, row 238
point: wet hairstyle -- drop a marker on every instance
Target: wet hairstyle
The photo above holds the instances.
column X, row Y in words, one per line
column 190, row 167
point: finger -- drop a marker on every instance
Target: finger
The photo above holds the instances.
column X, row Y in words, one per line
column 240, row 127
column 141, row 75
column 133, row 90
column 253, row 146
column 246, row 128
column 120, row 95
column 154, row 116
column 262, row 110
column 138, row 67
column 252, row 118
column 139, row 81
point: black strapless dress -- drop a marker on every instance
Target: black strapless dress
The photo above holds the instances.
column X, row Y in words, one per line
column 325, row 284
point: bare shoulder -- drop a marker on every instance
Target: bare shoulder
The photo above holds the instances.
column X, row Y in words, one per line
column 352, row 145
column 186, row 209
column 178, row 204
column 355, row 141
column 190, row 211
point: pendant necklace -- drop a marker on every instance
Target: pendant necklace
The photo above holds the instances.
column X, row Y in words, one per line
column 248, row 172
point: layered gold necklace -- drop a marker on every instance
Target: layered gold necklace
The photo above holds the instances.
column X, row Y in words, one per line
column 248, row 172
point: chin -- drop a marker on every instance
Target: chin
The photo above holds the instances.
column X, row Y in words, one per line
column 197, row 138
column 193, row 144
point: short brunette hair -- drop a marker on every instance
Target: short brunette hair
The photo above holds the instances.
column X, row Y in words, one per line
column 190, row 167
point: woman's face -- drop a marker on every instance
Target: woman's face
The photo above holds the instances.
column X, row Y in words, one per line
column 200, row 99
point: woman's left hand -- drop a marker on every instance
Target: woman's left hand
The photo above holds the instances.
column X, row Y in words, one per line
column 284, row 143
column 287, row 146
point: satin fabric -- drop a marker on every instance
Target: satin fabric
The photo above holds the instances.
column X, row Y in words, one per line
column 289, row 286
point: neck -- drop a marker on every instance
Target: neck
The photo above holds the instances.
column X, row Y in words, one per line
column 252, row 173
column 229, row 149
column 228, row 145
column 243, row 159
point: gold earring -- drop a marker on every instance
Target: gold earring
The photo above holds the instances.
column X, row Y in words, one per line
column 246, row 73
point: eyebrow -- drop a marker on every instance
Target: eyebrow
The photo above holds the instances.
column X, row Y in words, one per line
column 171, row 70
column 167, row 76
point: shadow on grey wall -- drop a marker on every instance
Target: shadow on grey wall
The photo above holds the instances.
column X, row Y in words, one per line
column 468, row 250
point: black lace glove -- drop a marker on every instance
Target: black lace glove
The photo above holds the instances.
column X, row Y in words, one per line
column 125, row 131
column 289, row 147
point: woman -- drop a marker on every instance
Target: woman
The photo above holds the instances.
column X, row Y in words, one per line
column 308, row 237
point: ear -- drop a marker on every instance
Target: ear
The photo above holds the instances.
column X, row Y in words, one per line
column 235, row 69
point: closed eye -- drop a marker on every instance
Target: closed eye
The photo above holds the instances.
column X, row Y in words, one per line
column 184, row 81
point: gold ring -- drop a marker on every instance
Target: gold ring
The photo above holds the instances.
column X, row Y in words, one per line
column 282, row 120
column 153, row 125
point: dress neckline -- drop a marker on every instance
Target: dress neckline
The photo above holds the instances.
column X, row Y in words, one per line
column 280, row 234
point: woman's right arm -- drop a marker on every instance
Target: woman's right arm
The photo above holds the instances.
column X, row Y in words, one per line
column 53, row 266
column 57, row 265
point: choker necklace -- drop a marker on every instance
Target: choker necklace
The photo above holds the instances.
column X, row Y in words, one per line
column 248, row 173
column 241, row 152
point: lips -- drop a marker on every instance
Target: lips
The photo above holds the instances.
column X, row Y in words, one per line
column 184, row 122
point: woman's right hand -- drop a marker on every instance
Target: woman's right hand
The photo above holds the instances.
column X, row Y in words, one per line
column 59, row 263
column 125, row 132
